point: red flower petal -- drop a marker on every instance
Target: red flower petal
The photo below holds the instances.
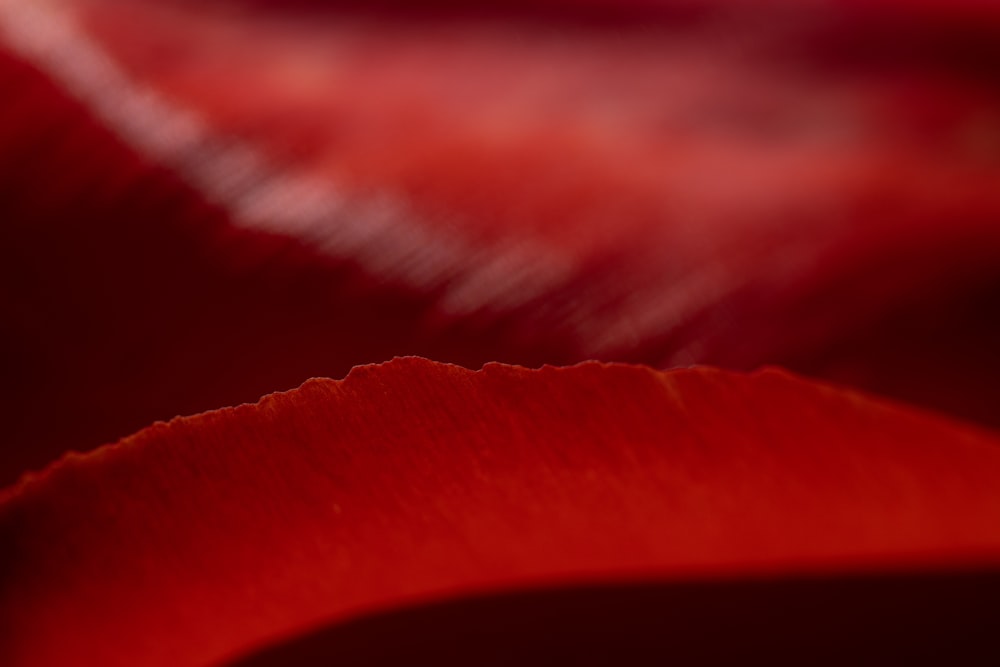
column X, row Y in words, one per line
column 412, row 482
column 797, row 189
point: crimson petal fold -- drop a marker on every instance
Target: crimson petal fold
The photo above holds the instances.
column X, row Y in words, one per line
column 415, row 482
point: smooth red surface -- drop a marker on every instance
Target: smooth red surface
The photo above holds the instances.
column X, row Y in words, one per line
column 410, row 482
column 810, row 187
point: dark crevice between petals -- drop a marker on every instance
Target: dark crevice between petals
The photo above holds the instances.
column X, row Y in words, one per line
column 860, row 620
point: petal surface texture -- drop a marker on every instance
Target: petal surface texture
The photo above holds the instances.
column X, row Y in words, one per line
column 412, row 482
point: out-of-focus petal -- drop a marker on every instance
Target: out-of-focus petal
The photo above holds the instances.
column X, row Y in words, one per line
column 248, row 195
column 413, row 482
column 127, row 298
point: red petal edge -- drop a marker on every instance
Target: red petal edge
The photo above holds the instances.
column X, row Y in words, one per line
column 646, row 191
column 412, row 482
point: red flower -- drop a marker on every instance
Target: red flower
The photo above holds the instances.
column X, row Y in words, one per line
column 208, row 203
